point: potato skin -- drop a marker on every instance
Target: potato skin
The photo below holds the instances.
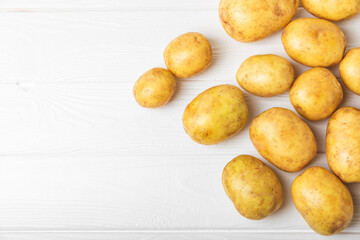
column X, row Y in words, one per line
column 250, row 21
column 323, row 200
column 314, row 42
column 265, row 75
column 283, row 138
column 350, row 70
column 316, row 94
column 215, row 114
column 188, row 55
column 154, row 88
column 343, row 144
column 252, row 186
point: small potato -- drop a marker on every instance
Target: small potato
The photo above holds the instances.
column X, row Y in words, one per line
column 154, row 88
column 249, row 21
column 350, row 70
column 323, row 200
column 252, row 186
column 215, row 114
column 188, row 54
column 316, row 94
column 314, row 42
column 283, row 138
column 265, row 75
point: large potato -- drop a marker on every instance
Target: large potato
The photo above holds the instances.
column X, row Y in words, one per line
column 265, row 75
column 252, row 186
column 343, row 144
column 188, row 54
column 314, row 42
column 283, row 138
column 316, row 94
column 350, row 70
column 249, row 21
column 323, row 200
column 215, row 114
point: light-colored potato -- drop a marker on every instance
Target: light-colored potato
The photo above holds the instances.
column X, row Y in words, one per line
column 265, row 75
column 332, row 10
column 283, row 138
column 252, row 186
column 323, row 200
column 154, row 88
column 316, row 94
column 314, row 42
column 215, row 114
column 249, row 21
column 343, row 144
column 188, row 55
column 350, row 70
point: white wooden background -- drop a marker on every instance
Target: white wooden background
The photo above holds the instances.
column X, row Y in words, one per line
column 79, row 159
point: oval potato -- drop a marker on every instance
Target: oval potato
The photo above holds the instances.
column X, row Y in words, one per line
column 350, row 70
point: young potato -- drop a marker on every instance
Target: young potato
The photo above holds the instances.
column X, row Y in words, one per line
column 215, row 114
column 323, row 200
column 154, row 88
column 316, row 94
column 265, row 75
column 188, row 54
column 314, row 42
column 343, row 144
column 283, row 138
column 252, row 186
column 332, row 10
column 249, row 21
column 350, row 70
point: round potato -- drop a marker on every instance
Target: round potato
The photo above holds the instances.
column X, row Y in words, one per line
column 249, row 21
column 215, row 114
column 252, row 186
column 188, row 54
column 323, row 200
column 283, row 138
column 332, row 10
column 154, row 88
column 265, row 75
column 316, row 94
column 350, row 70
column 314, row 42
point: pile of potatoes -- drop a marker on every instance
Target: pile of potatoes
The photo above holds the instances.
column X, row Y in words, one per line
column 278, row 134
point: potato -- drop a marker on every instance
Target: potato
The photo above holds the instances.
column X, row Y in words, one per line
column 332, row 10
column 323, row 200
column 265, row 75
column 215, row 114
column 154, row 88
column 283, row 138
column 249, row 21
column 188, row 54
column 252, row 186
column 350, row 70
column 314, row 42
column 343, row 144
column 316, row 94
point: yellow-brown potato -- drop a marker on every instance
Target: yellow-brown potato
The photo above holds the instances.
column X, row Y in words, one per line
column 215, row 114
column 314, row 42
column 252, row 186
column 332, row 10
column 323, row 200
column 283, row 138
column 350, row 70
column 249, row 21
column 316, row 94
column 265, row 75
column 154, row 88
column 188, row 54
column 343, row 144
